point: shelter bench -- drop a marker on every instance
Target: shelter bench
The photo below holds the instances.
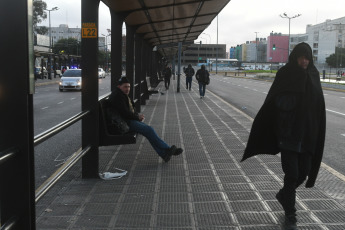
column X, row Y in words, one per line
column 105, row 137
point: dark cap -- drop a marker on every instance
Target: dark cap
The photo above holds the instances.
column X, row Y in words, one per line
column 123, row 80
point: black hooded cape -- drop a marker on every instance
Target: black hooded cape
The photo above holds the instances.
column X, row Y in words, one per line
column 298, row 93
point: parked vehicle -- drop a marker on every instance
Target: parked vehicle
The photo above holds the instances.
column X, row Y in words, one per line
column 101, row 73
column 37, row 73
column 71, row 79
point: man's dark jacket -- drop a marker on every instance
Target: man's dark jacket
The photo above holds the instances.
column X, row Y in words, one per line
column 293, row 116
column 119, row 101
column 189, row 72
column 202, row 75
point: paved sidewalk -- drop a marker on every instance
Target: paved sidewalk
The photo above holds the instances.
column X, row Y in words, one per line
column 46, row 81
column 204, row 188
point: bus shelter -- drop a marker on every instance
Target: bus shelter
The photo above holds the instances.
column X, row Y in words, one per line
column 155, row 30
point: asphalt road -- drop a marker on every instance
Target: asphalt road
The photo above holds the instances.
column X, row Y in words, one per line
column 52, row 107
column 248, row 95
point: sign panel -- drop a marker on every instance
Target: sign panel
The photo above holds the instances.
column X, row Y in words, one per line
column 42, row 40
column 89, row 30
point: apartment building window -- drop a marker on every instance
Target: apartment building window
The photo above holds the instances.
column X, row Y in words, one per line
column 316, row 36
column 316, row 45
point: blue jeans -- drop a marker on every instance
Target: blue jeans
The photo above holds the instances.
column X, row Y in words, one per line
column 189, row 82
column 202, row 89
column 147, row 131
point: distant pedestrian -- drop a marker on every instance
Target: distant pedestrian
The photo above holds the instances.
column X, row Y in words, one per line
column 189, row 71
column 203, row 78
column 167, row 76
column 292, row 121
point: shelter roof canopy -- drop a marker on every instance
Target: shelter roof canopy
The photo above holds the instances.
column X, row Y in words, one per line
column 168, row 21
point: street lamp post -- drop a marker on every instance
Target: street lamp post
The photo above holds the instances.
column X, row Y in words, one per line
column 256, row 48
column 206, row 50
column 286, row 16
column 50, row 43
column 106, row 51
column 217, row 49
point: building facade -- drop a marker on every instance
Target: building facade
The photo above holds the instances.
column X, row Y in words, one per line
column 255, row 51
column 277, row 48
column 198, row 53
column 325, row 37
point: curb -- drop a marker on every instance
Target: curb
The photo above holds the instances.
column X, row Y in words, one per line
column 46, row 83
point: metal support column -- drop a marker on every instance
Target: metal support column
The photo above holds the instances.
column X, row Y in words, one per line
column 153, row 75
column 89, row 99
column 116, row 44
column 146, row 66
column 17, row 196
column 179, row 66
column 130, row 57
column 138, row 71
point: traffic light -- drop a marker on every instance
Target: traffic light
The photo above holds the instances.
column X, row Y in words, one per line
column 274, row 47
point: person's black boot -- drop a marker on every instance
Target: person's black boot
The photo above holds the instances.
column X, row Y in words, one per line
column 290, row 222
column 169, row 152
column 178, row 151
column 279, row 197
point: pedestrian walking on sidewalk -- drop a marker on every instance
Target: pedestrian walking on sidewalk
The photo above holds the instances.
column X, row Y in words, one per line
column 292, row 121
column 167, row 76
column 189, row 71
column 203, row 78
column 120, row 101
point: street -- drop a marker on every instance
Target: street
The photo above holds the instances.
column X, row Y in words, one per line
column 51, row 107
column 248, row 95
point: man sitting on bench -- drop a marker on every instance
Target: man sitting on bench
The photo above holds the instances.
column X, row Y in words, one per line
column 125, row 106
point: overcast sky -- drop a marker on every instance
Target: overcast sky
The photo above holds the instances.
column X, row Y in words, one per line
column 237, row 22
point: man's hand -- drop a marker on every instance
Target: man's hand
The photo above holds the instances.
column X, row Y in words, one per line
column 141, row 117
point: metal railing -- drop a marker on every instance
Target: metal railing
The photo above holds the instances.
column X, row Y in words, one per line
column 45, row 187
column 10, row 224
column 58, row 128
column 38, row 139
column 12, row 152
column 8, row 154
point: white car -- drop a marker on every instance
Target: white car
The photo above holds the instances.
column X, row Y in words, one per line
column 101, row 73
column 71, row 79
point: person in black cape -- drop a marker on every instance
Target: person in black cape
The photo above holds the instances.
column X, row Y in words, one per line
column 292, row 121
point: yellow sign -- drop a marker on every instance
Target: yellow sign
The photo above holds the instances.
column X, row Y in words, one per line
column 89, row 30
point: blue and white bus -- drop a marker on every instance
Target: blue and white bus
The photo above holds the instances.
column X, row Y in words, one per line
column 223, row 64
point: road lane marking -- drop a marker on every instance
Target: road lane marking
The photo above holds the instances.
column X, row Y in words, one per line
column 333, row 171
column 343, row 134
column 72, row 98
column 45, row 108
column 335, row 112
column 342, row 97
column 60, row 102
